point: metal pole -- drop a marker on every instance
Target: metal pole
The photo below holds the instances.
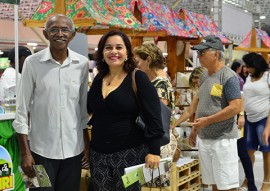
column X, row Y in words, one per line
column 16, row 28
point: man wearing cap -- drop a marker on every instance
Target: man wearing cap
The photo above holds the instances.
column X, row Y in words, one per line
column 9, row 76
column 219, row 103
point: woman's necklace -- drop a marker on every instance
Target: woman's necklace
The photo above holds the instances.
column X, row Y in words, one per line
column 109, row 81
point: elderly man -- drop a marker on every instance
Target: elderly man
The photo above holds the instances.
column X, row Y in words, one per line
column 53, row 88
column 219, row 103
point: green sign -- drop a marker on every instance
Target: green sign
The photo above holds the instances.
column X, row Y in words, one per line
column 6, row 170
column 4, row 62
column 16, row 2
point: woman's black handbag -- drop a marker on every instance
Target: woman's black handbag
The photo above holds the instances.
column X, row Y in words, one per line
column 165, row 115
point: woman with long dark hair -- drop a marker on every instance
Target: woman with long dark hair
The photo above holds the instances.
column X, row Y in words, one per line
column 117, row 141
column 249, row 182
column 256, row 98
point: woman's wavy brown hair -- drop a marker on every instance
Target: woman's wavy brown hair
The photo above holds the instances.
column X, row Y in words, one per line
column 152, row 50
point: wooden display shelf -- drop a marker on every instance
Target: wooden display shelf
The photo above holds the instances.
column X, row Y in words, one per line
column 193, row 183
column 144, row 188
column 186, row 177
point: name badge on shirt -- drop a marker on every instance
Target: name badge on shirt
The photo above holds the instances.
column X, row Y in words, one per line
column 216, row 90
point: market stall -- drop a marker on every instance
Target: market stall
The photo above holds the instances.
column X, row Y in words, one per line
column 256, row 41
column 99, row 16
column 202, row 25
column 159, row 17
column 51, row 7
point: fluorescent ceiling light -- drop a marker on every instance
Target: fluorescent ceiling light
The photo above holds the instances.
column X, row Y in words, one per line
column 246, row 11
column 262, row 17
column 32, row 44
column 1, row 52
column 256, row 21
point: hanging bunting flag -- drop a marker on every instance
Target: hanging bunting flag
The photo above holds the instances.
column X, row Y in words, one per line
column 16, row 2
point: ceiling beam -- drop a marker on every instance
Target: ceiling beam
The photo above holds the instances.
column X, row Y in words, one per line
column 175, row 3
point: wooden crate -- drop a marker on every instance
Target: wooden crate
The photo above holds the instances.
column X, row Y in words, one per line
column 186, row 177
column 144, row 188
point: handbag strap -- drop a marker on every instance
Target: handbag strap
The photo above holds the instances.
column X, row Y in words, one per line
column 152, row 178
column 134, row 85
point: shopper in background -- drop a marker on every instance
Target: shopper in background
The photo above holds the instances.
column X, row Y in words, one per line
column 151, row 61
column 244, row 73
column 53, row 88
column 24, row 52
column 237, row 68
column 194, row 83
column 219, row 102
column 117, row 141
column 257, row 107
column 249, row 182
column 8, row 78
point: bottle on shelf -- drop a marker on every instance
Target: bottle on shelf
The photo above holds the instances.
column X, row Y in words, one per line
column 9, row 101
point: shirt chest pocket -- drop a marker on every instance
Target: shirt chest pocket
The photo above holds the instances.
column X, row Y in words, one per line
column 74, row 90
column 216, row 90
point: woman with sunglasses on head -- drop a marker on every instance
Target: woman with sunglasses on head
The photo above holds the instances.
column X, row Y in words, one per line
column 257, row 107
column 117, row 142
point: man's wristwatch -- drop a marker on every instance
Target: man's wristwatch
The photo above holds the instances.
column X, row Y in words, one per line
column 241, row 113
